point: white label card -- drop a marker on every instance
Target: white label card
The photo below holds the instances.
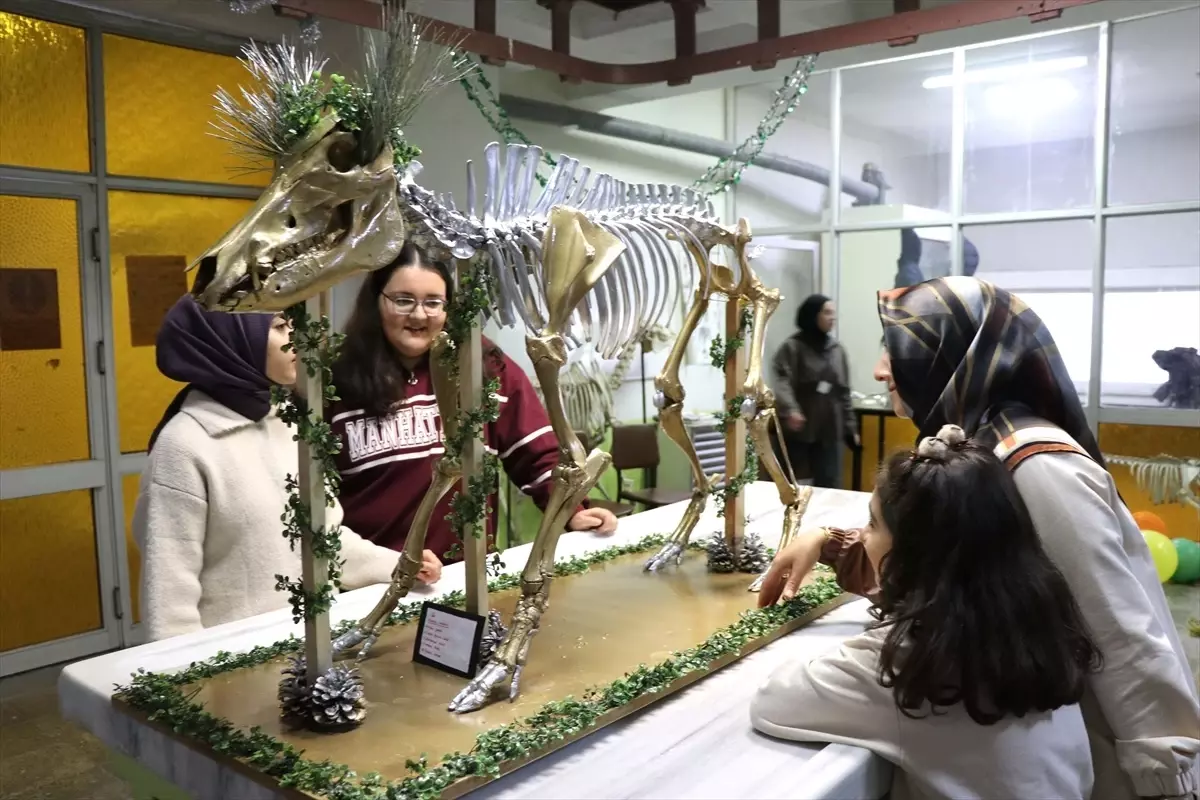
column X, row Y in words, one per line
column 449, row 639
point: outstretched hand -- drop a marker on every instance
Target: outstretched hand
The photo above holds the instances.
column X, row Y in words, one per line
column 431, row 568
column 596, row 520
column 791, row 565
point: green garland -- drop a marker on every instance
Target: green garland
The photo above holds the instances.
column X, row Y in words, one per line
column 316, row 347
column 161, row 697
column 720, row 351
column 302, row 108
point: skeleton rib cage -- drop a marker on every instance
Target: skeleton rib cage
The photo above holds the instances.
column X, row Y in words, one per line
column 643, row 287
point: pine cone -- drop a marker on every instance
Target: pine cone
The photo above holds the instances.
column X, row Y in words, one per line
column 337, row 698
column 720, row 558
column 493, row 633
column 753, row 558
column 293, row 690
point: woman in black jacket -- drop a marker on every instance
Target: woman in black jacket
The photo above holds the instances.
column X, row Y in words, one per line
column 813, row 394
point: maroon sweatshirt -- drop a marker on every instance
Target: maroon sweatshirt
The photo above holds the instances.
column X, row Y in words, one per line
column 387, row 462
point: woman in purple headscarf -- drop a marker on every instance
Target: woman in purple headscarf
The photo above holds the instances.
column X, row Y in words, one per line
column 960, row 351
column 208, row 512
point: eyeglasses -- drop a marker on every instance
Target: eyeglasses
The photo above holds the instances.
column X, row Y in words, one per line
column 434, row 306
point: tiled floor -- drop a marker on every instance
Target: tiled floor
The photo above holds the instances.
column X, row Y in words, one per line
column 43, row 757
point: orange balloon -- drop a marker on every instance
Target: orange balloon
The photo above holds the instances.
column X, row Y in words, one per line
column 1149, row 521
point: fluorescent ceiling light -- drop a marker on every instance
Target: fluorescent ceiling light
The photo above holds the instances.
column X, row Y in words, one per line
column 1031, row 69
column 1029, row 98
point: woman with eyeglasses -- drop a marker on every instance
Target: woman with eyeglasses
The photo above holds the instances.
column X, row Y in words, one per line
column 388, row 422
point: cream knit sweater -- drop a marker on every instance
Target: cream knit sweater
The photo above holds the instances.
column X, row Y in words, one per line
column 208, row 522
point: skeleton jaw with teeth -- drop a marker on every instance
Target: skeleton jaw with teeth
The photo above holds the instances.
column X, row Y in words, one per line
column 323, row 218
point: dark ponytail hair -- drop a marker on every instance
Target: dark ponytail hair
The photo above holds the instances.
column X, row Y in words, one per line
column 368, row 373
column 975, row 611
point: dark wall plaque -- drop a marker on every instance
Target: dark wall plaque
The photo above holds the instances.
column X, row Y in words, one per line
column 154, row 284
column 29, row 316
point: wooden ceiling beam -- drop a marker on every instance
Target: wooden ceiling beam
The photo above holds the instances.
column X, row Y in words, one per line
column 893, row 29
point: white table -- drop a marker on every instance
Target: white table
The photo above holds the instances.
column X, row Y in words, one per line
column 696, row 744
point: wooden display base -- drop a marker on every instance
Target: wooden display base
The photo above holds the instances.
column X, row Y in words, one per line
column 601, row 625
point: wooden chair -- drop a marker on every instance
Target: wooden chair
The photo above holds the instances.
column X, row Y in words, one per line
column 617, row 508
column 636, row 447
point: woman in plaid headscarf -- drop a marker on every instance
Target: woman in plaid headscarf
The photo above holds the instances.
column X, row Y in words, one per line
column 961, row 351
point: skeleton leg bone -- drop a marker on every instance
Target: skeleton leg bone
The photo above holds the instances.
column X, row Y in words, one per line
column 669, row 399
column 446, row 472
column 572, row 479
column 576, row 255
column 758, row 409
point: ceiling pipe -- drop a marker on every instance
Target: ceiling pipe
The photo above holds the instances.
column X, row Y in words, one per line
column 864, row 193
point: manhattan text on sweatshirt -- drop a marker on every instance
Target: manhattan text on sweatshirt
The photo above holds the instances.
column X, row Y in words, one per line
column 387, row 461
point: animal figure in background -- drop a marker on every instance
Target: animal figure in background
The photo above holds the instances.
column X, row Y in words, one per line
column 1182, row 388
column 589, row 258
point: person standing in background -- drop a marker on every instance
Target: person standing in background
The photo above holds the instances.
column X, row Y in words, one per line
column 813, row 394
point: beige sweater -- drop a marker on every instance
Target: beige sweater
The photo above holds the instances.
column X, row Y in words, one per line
column 837, row 698
column 208, row 522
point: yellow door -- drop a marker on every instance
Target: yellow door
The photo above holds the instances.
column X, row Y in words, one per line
column 56, row 561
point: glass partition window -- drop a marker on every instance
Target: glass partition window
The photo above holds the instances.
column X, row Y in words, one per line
column 1049, row 266
column 1154, row 110
column 1031, row 124
column 896, row 123
column 1151, row 311
column 1048, row 202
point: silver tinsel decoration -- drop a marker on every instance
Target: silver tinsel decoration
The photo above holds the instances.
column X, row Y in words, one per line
column 310, row 30
column 720, row 557
column 247, row 6
column 335, row 701
column 493, row 633
column 754, row 557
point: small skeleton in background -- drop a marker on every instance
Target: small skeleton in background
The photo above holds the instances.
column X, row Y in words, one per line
column 1165, row 478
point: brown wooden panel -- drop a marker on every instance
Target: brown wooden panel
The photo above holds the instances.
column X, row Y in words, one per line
column 154, row 284
column 29, row 315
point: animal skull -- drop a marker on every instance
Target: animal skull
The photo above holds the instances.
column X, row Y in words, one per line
column 324, row 217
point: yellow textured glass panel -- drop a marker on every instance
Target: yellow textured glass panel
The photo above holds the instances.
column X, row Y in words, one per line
column 156, row 235
column 42, row 375
column 49, row 583
column 129, row 490
column 1148, row 441
column 38, row 61
column 158, row 106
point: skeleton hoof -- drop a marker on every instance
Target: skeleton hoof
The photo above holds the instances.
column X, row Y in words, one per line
column 479, row 691
column 354, row 638
column 671, row 552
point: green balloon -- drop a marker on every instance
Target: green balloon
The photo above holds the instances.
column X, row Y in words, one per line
column 1188, row 570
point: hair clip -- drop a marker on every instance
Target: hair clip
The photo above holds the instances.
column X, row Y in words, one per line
column 931, row 447
column 952, row 435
